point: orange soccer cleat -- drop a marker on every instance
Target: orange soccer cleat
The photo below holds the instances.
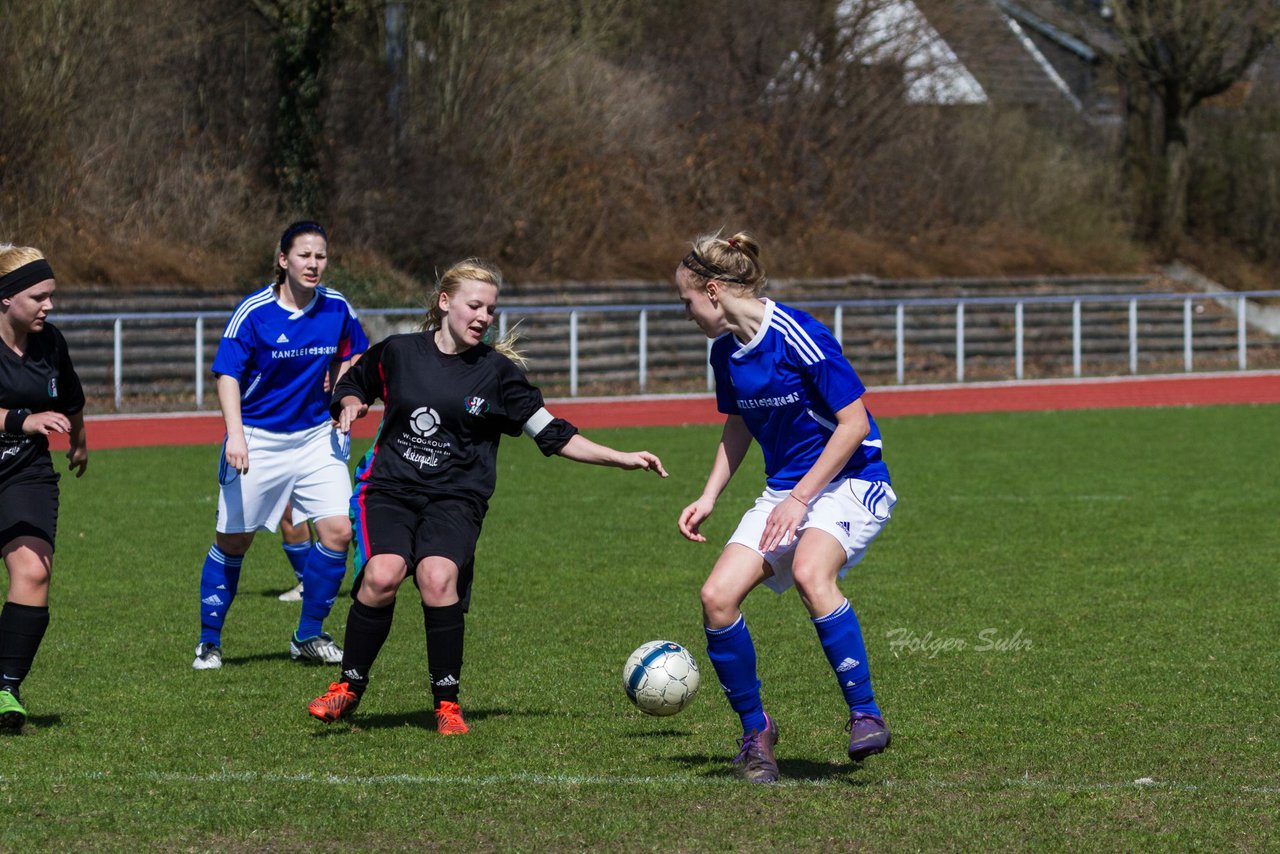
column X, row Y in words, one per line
column 335, row 703
column 449, row 720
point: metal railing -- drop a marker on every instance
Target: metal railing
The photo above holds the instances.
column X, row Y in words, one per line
column 1236, row 302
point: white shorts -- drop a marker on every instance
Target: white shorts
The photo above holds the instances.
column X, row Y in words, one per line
column 308, row 468
column 853, row 511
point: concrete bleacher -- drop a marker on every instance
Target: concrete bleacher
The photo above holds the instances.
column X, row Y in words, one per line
column 159, row 367
column 158, row 354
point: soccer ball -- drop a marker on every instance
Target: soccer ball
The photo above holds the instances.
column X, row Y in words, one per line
column 661, row 678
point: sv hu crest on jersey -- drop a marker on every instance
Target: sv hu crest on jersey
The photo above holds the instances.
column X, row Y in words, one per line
column 53, row 387
column 476, row 405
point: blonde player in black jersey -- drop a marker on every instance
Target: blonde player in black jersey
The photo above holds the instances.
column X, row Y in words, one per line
column 423, row 489
column 40, row 394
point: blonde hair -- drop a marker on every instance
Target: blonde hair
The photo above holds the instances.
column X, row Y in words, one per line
column 12, row 257
column 476, row 270
column 732, row 261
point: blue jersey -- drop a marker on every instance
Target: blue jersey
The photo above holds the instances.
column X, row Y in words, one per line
column 281, row 356
column 788, row 383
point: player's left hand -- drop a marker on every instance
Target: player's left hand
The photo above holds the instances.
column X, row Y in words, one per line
column 45, row 423
column 78, row 459
column 643, row 460
column 780, row 528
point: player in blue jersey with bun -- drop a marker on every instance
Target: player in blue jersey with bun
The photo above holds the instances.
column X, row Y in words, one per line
column 40, row 395
column 782, row 380
column 282, row 350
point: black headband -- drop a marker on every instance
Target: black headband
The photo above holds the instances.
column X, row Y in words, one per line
column 697, row 264
column 305, row 227
column 31, row 273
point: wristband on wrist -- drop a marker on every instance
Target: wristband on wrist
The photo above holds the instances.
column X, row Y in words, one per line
column 798, row 498
column 14, row 420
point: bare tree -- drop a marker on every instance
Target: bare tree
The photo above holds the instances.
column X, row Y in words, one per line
column 1174, row 55
column 303, row 33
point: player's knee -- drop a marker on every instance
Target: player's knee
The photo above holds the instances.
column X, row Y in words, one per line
column 376, row 587
column 334, row 533
column 337, row 541
column 717, row 604
column 234, row 544
column 436, row 590
column 813, row 580
column 31, row 575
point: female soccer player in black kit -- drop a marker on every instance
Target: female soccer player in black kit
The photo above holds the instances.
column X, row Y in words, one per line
column 423, row 489
column 39, row 394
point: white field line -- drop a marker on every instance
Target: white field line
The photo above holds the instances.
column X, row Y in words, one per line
column 638, row 781
column 975, row 498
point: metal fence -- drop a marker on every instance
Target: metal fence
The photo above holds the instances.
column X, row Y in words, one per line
column 646, row 315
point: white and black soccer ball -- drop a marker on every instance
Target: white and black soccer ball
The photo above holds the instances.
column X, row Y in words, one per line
column 661, row 677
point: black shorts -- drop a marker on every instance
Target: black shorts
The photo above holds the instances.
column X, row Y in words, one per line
column 29, row 506
column 415, row 527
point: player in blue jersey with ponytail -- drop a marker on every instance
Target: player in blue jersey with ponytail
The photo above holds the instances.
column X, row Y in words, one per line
column 782, row 380
column 281, row 352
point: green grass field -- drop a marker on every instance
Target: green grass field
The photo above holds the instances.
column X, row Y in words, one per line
column 1071, row 622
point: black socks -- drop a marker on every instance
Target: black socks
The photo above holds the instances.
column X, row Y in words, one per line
column 367, row 630
column 444, row 626
column 22, row 627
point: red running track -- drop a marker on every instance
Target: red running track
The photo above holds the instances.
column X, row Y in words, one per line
column 885, row 402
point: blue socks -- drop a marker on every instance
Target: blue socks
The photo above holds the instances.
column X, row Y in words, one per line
column 733, row 656
column 321, row 578
column 841, row 639
column 219, row 579
column 297, row 554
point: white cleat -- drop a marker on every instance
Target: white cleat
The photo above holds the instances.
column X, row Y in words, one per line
column 320, row 648
column 208, row 657
column 293, row 594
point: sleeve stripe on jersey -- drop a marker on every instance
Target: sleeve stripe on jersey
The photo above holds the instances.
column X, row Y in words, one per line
column 242, row 313
column 824, row 422
column 874, row 443
column 799, row 339
column 335, row 295
column 537, row 422
column 245, row 394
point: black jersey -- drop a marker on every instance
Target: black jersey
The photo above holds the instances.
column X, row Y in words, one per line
column 445, row 414
column 43, row 380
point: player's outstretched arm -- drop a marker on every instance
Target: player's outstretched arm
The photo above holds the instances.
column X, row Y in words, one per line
column 580, row 449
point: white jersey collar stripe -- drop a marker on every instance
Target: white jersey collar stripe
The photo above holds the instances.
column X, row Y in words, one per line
column 295, row 313
column 769, row 308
